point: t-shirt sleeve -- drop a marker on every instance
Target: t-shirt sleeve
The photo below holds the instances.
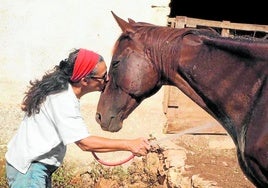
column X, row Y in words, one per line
column 69, row 122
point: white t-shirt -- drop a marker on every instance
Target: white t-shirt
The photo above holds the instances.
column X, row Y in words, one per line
column 43, row 137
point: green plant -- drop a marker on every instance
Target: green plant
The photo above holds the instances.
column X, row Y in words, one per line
column 3, row 181
column 63, row 176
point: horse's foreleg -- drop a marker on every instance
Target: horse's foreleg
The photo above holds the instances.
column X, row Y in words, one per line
column 256, row 158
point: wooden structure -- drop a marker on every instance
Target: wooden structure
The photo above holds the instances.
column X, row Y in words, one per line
column 180, row 111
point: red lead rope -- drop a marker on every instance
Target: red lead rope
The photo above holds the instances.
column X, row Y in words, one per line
column 112, row 163
column 191, row 130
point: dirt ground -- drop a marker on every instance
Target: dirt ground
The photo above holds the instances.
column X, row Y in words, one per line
column 210, row 154
column 214, row 164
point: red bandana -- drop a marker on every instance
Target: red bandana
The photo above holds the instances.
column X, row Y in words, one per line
column 85, row 62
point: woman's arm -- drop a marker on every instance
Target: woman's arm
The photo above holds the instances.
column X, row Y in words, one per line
column 138, row 146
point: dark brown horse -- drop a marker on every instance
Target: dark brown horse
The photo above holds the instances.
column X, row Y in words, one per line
column 225, row 76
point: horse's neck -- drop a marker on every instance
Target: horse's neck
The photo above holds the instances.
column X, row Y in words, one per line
column 225, row 88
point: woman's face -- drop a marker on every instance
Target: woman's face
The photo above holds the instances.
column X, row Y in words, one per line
column 99, row 80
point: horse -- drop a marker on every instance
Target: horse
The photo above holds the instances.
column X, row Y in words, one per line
column 226, row 76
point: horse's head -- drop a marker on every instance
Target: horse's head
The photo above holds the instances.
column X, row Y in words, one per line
column 132, row 78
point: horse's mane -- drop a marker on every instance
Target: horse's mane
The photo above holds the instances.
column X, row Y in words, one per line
column 249, row 47
column 246, row 46
column 145, row 27
column 164, row 33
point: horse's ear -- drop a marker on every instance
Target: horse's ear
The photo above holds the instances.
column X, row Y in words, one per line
column 125, row 26
column 131, row 21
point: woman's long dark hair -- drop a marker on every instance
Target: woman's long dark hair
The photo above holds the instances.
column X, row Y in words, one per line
column 54, row 81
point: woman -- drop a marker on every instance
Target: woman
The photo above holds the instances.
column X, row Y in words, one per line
column 53, row 120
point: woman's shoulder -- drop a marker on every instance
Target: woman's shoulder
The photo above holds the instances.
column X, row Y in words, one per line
column 63, row 98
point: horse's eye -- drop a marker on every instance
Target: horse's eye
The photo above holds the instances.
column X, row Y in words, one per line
column 115, row 64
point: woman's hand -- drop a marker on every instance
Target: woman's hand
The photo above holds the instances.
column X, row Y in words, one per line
column 139, row 147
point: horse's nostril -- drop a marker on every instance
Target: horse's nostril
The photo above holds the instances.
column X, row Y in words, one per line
column 98, row 117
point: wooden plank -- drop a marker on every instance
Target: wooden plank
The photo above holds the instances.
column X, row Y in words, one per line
column 194, row 22
column 165, row 99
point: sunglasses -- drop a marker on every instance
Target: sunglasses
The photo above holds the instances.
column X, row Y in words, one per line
column 104, row 77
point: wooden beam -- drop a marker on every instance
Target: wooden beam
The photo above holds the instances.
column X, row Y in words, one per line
column 184, row 21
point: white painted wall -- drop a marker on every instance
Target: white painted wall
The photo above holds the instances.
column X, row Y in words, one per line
column 36, row 34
